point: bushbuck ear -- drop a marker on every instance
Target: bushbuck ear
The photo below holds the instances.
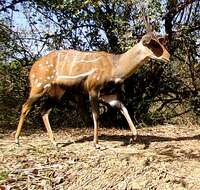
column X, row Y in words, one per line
column 155, row 47
column 146, row 39
column 162, row 40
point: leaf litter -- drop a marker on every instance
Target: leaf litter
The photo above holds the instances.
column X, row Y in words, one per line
column 162, row 157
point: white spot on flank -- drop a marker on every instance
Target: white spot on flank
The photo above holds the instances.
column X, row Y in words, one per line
column 52, row 76
column 40, row 65
column 47, row 62
column 39, row 84
column 51, row 65
column 36, row 80
column 48, row 77
column 33, row 76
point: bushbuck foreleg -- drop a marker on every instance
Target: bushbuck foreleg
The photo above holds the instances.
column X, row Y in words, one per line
column 35, row 94
column 45, row 117
column 95, row 115
column 114, row 102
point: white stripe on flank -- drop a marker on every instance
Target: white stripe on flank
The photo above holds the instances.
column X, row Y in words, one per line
column 77, row 76
column 47, row 85
column 85, row 60
column 58, row 64
column 63, row 66
column 73, row 63
column 58, row 58
column 89, row 61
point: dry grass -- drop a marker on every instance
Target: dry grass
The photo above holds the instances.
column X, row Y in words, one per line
column 163, row 157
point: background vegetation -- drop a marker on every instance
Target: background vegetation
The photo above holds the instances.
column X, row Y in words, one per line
column 157, row 93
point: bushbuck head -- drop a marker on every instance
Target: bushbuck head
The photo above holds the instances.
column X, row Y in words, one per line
column 155, row 47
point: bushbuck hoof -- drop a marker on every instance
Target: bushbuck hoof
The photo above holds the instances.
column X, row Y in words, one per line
column 54, row 143
column 98, row 147
column 17, row 141
column 133, row 139
column 134, row 133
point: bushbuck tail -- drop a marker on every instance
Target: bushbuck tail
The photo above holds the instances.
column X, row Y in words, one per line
column 90, row 71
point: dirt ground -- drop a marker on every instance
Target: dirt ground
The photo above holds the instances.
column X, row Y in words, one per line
column 162, row 157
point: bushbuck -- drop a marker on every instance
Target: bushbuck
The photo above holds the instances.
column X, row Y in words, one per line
column 56, row 72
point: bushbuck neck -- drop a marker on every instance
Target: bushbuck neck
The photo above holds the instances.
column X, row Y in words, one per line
column 93, row 70
column 129, row 62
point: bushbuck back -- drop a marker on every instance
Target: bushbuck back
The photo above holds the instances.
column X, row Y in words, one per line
column 59, row 70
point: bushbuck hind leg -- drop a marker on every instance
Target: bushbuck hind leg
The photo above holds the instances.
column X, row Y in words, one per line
column 34, row 95
column 124, row 111
column 114, row 102
column 55, row 94
column 95, row 116
column 82, row 108
column 45, row 118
